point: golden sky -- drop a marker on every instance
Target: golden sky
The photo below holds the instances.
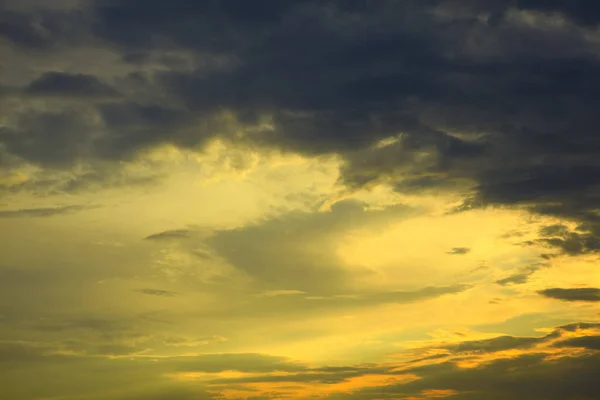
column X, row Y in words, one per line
column 299, row 200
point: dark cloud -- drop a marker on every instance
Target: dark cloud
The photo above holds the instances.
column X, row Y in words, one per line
column 578, row 326
column 132, row 126
column 41, row 212
column 42, row 29
column 55, row 139
column 63, row 84
column 575, row 294
column 157, row 292
column 554, row 230
column 496, row 344
column 497, row 96
column 519, row 378
column 586, row 342
column 502, row 343
column 582, row 11
column 579, row 294
column 574, row 243
column 459, row 250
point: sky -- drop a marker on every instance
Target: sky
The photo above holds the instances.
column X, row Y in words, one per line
column 308, row 199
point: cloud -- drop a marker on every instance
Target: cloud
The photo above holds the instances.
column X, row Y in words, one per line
column 501, row 367
column 575, row 294
column 431, row 74
column 579, row 326
column 519, row 378
column 459, row 250
column 41, row 212
column 516, row 279
column 493, row 102
column 503, row 343
column 319, row 303
column 586, row 342
column 64, row 84
column 585, row 12
column 496, row 344
column 51, row 138
column 296, row 250
column 157, row 292
column 24, row 352
column 554, row 230
column 173, row 234
column 42, row 30
column 522, row 276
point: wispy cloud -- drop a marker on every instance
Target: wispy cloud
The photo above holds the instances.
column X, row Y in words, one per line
column 42, row 212
column 157, row 292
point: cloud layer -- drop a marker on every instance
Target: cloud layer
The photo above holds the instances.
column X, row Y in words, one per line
column 300, row 199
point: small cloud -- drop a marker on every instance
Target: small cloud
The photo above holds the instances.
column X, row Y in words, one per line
column 157, row 292
column 516, row 279
column 174, row 234
column 521, row 277
column 576, row 294
column 459, row 251
column 479, row 268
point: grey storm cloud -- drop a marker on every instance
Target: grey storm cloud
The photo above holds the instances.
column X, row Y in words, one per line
column 501, row 94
